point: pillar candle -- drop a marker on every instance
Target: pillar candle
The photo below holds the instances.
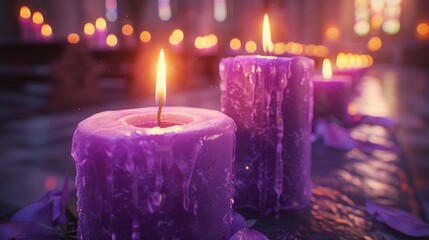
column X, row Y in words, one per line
column 332, row 94
column 139, row 181
column 271, row 101
column 332, row 97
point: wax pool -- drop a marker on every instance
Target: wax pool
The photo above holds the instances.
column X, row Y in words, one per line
column 271, row 101
column 332, row 97
column 138, row 181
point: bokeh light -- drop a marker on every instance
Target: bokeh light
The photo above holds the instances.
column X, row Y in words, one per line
column 176, row 37
column 332, row 33
column 89, row 29
column 391, row 26
column 145, row 36
column 374, row 44
column 422, row 30
column 361, row 28
column 37, row 18
column 46, row 30
column 235, row 44
column 100, row 23
column 111, row 40
column 24, row 12
column 127, row 30
column 250, row 47
column 73, row 38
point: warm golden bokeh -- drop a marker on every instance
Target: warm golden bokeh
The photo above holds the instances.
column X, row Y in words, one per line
column 250, row 46
column 127, row 29
column 46, row 30
column 24, row 12
column 374, row 44
column 37, row 18
column 235, row 44
column 73, row 38
column 332, row 33
column 111, row 40
column 100, row 23
column 176, row 37
column 422, row 30
column 89, row 29
column 145, row 36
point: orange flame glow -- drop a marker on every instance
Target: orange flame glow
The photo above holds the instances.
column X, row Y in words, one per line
column 161, row 79
column 267, row 44
column 327, row 69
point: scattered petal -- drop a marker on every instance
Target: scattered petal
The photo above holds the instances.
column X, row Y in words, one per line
column 248, row 234
column 399, row 220
column 335, row 136
column 238, row 223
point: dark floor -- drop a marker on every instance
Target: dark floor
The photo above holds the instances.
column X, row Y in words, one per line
column 35, row 146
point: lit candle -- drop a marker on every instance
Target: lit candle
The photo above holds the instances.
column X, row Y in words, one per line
column 101, row 32
column 37, row 19
column 25, row 28
column 271, row 100
column 331, row 94
column 139, row 179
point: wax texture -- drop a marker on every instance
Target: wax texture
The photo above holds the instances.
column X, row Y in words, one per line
column 137, row 182
column 271, row 101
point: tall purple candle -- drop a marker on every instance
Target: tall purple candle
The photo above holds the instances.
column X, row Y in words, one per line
column 138, row 181
column 271, row 101
column 332, row 94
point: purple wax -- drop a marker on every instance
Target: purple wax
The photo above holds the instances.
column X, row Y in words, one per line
column 139, row 181
column 332, row 97
column 271, row 101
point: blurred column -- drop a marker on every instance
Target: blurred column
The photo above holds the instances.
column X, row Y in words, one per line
column 65, row 17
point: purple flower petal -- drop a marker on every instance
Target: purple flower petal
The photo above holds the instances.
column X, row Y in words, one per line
column 41, row 211
column 248, row 234
column 399, row 220
column 238, row 223
column 25, row 230
column 64, row 201
column 335, row 136
column 388, row 123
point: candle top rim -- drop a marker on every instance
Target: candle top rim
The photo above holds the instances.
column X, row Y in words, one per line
column 112, row 124
column 334, row 78
column 266, row 57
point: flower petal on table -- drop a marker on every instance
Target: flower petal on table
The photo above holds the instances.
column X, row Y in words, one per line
column 238, row 223
column 399, row 220
column 248, row 234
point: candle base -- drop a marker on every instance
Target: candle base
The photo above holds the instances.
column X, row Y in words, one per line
column 135, row 181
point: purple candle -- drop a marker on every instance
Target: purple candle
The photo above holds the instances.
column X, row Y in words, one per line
column 138, row 178
column 271, row 101
column 331, row 94
column 25, row 24
column 101, row 33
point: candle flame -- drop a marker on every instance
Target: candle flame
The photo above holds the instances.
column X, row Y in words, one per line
column 327, row 69
column 161, row 86
column 24, row 12
column 267, row 44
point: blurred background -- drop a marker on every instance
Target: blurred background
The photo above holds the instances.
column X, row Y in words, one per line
column 62, row 61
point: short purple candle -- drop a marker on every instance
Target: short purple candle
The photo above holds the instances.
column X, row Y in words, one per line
column 331, row 94
column 139, row 181
column 271, row 101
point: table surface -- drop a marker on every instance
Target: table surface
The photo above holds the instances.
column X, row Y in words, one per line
column 342, row 180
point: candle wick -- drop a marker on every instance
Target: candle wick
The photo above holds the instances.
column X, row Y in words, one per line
column 158, row 116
